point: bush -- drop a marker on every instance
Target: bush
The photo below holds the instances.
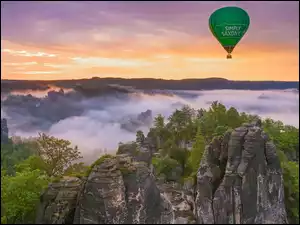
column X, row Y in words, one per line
column 165, row 166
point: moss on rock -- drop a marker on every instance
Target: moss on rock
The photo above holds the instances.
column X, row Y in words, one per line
column 98, row 162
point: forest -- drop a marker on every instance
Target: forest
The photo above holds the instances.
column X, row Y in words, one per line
column 29, row 165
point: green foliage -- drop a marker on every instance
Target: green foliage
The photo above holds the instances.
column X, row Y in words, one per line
column 20, row 195
column 233, row 118
column 98, row 162
column 220, row 131
column 56, row 154
column 181, row 155
column 217, row 120
column 3, row 220
column 201, row 126
column 197, row 151
column 26, row 170
column 34, row 162
column 12, row 154
column 181, row 125
column 159, row 122
column 164, row 165
column 140, row 137
column 76, row 170
column 291, row 189
column 286, row 138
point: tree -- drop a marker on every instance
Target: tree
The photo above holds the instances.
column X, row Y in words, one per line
column 159, row 122
column 56, row 153
column 220, row 130
column 286, row 138
column 34, row 162
column 181, row 155
column 140, row 137
column 20, row 195
column 159, row 133
column 291, row 190
column 181, row 124
column 218, row 113
column 165, row 165
column 197, row 150
column 233, row 118
column 13, row 153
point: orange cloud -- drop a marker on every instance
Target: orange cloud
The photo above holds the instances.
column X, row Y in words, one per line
column 177, row 60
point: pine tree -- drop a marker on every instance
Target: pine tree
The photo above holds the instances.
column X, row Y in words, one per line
column 197, row 150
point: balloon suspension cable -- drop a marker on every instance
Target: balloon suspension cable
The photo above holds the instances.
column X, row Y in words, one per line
column 229, row 56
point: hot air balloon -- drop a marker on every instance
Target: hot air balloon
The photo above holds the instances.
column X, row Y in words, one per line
column 228, row 25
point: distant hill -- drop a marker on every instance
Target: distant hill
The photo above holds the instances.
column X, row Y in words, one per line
column 148, row 83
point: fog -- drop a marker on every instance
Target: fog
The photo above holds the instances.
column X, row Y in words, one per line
column 98, row 124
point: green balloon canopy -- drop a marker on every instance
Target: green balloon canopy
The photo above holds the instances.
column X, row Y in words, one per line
column 228, row 25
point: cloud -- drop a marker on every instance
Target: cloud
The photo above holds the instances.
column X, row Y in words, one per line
column 20, row 64
column 95, row 124
column 54, row 23
column 27, row 54
column 38, row 72
column 108, row 62
column 58, row 65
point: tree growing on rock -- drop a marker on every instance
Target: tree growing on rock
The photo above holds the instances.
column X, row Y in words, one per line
column 197, row 150
column 56, row 153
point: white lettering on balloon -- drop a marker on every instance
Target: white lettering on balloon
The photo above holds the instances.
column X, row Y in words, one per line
column 232, row 31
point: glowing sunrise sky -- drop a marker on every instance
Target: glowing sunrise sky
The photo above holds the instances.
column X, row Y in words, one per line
column 168, row 40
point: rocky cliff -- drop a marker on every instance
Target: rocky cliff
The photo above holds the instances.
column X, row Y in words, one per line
column 239, row 181
column 4, row 131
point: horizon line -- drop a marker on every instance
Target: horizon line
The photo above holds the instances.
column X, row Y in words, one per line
column 149, row 78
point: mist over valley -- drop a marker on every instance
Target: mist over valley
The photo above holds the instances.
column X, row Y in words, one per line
column 96, row 120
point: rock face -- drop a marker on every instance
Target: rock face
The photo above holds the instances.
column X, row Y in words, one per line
column 4, row 131
column 239, row 181
column 117, row 191
column 58, row 202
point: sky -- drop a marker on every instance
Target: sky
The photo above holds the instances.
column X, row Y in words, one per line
column 167, row 40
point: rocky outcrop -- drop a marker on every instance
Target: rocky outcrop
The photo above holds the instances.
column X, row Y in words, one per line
column 58, row 202
column 117, row 191
column 239, row 181
column 134, row 123
column 181, row 199
column 249, row 189
column 4, row 131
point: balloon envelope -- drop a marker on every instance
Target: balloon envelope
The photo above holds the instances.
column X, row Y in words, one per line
column 228, row 25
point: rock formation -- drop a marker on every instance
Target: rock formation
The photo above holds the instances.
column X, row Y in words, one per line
column 4, row 131
column 134, row 123
column 239, row 181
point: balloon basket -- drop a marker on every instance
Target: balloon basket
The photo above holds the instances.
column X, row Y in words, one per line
column 229, row 56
